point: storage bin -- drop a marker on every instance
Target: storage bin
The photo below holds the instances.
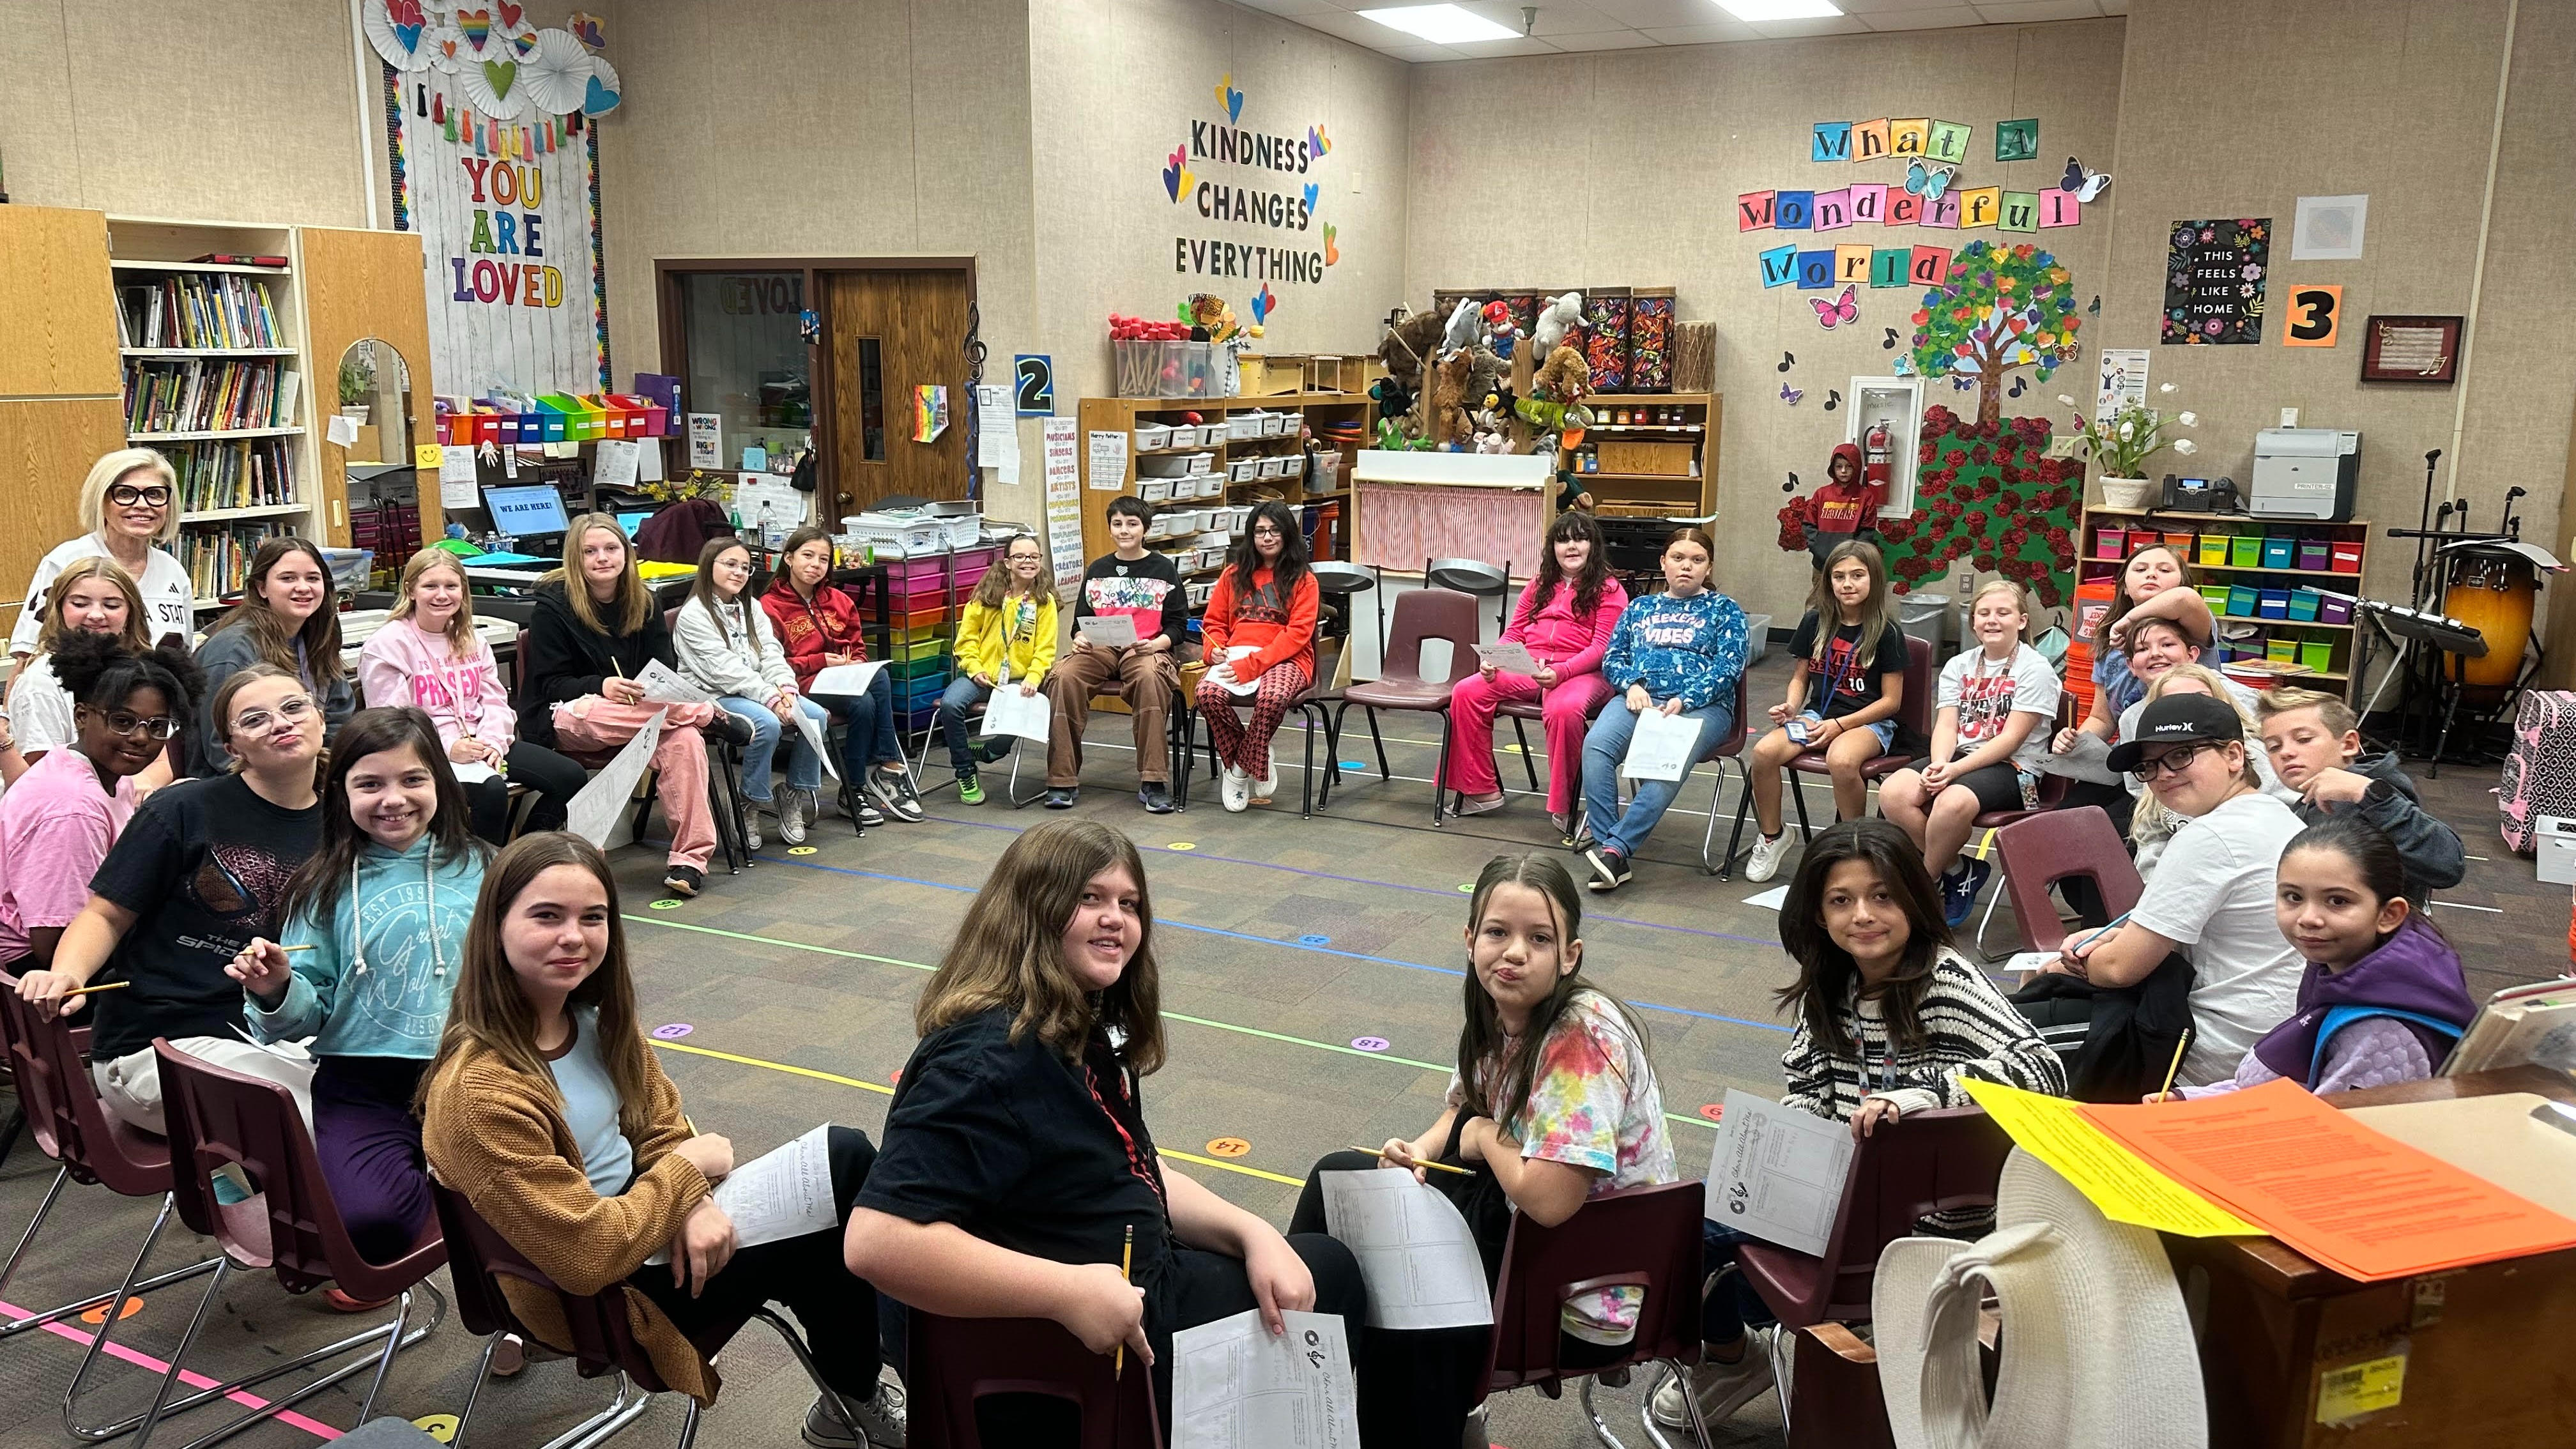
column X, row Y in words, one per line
column 2272, row 604
column 1274, row 467
column 2216, row 594
column 2303, row 605
column 2241, row 601
column 1293, row 466
column 2317, row 654
column 2109, row 543
column 2347, row 555
column 932, row 646
column 2316, row 554
column 2211, row 548
column 1154, row 490
column 1244, row 426
column 1198, row 370
column 1278, row 425
column 2245, row 551
column 1244, row 470
column 651, row 419
column 1211, row 485
column 2280, row 553
column 904, row 531
column 1212, row 435
column 1150, row 436
column 2333, row 610
column 2281, row 651
column 2181, row 543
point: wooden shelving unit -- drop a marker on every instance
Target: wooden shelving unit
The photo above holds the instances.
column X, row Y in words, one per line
column 1619, row 493
column 2325, row 644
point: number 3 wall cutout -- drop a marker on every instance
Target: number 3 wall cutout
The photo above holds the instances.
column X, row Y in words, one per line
column 2316, row 316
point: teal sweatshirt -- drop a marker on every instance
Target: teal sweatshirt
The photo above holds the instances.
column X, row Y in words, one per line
column 410, row 921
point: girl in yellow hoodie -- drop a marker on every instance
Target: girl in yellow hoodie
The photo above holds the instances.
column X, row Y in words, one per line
column 1006, row 640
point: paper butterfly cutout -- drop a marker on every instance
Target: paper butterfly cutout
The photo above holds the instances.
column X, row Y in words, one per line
column 1830, row 315
column 1929, row 182
column 2085, row 184
column 1263, row 304
column 1790, row 395
column 1176, row 177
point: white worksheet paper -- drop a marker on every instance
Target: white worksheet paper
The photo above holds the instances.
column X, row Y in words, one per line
column 472, row 772
column 1511, row 657
column 1108, row 631
column 850, row 679
column 1777, row 1172
column 1415, row 1253
column 783, row 1193
column 1241, row 687
column 1661, row 748
column 663, row 685
column 593, row 813
column 1237, row 1385
column 616, row 463
column 812, row 729
column 2090, row 760
column 1010, row 712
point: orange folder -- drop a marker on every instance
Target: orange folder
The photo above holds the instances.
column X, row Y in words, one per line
column 2355, row 1200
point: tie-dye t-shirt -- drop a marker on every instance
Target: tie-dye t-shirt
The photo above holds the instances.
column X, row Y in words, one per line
column 1593, row 1104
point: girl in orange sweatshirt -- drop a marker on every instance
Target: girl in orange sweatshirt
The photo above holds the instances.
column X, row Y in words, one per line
column 1260, row 635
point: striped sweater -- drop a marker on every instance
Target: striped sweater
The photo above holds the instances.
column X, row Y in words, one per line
column 1971, row 1032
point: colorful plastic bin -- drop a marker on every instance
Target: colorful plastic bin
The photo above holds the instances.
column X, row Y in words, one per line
column 2303, row 605
column 2272, row 604
column 2316, row 554
column 2317, row 654
column 2347, row 555
column 2210, row 548
column 2281, row 651
column 2217, row 596
column 2245, row 551
column 2242, row 601
column 2333, row 611
column 2111, row 543
column 2280, row 553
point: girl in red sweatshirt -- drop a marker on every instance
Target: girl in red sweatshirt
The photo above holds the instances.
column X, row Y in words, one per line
column 1565, row 619
column 1260, row 636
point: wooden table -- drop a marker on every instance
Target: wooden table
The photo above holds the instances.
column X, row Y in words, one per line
column 2485, row 1349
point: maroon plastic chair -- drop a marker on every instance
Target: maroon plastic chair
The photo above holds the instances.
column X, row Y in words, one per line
column 603, row 1341
column 1420, row 615
column 952, row 1362
column 2040, row 850
column 1938, row 1161
column 1914, row 731
column 1646, row 1237
column 2052, row 794
column 220, row 1119
column 72, row 1127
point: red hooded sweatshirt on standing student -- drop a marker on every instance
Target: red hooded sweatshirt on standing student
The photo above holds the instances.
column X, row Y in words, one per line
column 1843, row 509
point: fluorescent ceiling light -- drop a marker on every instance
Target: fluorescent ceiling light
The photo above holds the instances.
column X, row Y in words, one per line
column 1441, row 24
column 1755, row 10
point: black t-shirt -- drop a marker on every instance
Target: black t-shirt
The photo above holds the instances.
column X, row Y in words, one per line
column 1148, row 589
column 1837, row 685
column 202, row 866
column 1023, row 1149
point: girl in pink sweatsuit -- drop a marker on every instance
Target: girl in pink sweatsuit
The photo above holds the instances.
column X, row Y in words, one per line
column 1564, row 620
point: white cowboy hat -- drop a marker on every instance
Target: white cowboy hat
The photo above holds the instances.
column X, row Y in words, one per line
column 2097, row 1347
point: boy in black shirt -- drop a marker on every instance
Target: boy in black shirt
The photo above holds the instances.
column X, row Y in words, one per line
column 1146, row 589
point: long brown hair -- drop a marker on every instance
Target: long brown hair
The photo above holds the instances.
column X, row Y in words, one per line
column 1502, row 1093
column 1826, row 972
column 135, row 636
column 1010, row 951
column 633, row 599
column 318, row 883
column 702, row 589
column 995, row 586
column 491, row 1012
column 1589, row 585
column 320, row 634
column 460, row 625
column 1877, row 612
column 2120, row 602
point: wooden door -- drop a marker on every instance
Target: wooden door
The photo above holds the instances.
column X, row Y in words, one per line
column 61, row 386
column 360, row 284
column 892, row 332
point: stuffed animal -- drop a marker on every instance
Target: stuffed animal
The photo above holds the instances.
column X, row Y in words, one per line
column 1461, row 330
column 1501, row 333
column 1559, row 314
column 1490, row 434
column 1565, row 378
column 1408, row 345
column 1449, row 399
column 1394, row 399
column 1499, row 400
column 1485, row 371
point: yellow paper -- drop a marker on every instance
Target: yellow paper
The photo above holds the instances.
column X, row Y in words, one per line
column 2117, row 1180
column 427, row 455
column 2362, row 1388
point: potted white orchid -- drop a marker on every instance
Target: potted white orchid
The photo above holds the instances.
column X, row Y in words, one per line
column 2121, row 445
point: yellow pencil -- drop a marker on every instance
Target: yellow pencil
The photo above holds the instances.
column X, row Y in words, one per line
column 86, row 990
column 2177, row 1064
column 307, row 946
column 1380, row 1155
column 1126, row 1274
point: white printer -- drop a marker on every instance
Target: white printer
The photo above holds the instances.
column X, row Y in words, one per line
column 2305, row 473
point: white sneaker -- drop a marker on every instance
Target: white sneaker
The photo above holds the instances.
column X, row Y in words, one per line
column 751, row 822
column 1268, row 784
column 1235, row 790
column 1719, row 1388
column 791, row 815
column 1767, row 850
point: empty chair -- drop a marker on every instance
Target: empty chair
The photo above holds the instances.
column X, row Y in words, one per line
column 953, row 1362
column 1421, row 615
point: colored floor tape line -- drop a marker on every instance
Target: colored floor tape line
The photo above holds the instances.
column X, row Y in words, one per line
column 121, row 1353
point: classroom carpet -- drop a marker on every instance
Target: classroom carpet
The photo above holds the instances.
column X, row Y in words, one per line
column 1312, row 972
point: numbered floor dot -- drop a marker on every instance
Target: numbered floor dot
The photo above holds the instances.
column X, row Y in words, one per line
column 1354, row 764
column 1182, row 845
column 1369, row 1043
column 1466, row 888
column 1314, row 940
column 670, row 905
column 441, row 1427
column 674, row 1031
column 800, row 850
column 1713, row 1111
column 895, row 1076
column 131, row 1307
column 1228, row 1147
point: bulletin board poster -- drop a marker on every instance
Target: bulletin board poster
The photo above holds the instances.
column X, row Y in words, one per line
column 508, row 212
column 2214, row 277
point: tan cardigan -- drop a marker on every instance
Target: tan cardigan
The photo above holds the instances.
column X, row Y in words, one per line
column 501, row 1139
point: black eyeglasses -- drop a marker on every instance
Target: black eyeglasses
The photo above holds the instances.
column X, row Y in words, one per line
column 2173, row 761
column 126, row 495
column 130, row 724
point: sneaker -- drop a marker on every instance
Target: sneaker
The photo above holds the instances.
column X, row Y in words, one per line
column 995, row 747
column 1234, row 792
column 1609, row 869
column 751, row 822
column 731, row 728
column 1959, row 887
column 1471, row 805
column 1155, row 796
column 1720, row 1389
column 970, row 790
column 1062, row 799
column 1563, row 821
column 880, row 1420
column 868, row 816
column 791, row 816
column 1767, row 850
column 893, row 790
column 683, row 880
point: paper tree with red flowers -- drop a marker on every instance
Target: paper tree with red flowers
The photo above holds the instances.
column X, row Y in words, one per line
column 1989, row 493
column 1999, row 308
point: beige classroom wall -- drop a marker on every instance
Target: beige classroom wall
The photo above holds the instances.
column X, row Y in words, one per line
column 822, row 128
column 1622, row 168
column 2236, row 110
column 1117, row 85
column 242, row 111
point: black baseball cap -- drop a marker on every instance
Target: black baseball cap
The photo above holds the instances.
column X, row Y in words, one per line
column 2178, row 719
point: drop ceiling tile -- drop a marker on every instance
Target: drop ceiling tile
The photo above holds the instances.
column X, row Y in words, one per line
column 1648, row 14
column 1556, row 17
column 1799, row 29
column 1419, row 54
column 1603, row 40
column 1721, row 30
column 1929, row 19
column 2021, row 12
column 1499, row 49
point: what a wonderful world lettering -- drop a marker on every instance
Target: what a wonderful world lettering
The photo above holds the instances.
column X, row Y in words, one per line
column 2214, row 277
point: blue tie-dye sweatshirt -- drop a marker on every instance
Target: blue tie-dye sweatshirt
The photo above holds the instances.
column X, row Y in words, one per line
column 1693, row 647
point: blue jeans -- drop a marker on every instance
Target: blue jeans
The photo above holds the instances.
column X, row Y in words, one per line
column 868, row 732
column 1724, row 1313
column 804, row 767
column 1606, row 745
column 963, row 694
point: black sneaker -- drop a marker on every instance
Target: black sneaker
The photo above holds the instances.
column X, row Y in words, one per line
column 893, row 791
column 1156, row 797
column 1062, row 799
column 731, row 728
column 994, row 747
column 1609, row 869
column 880, row 1421
column 683, row 880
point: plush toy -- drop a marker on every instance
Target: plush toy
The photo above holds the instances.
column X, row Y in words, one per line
column 1490, row 435
column 1485, row 371
column 1559, row 314
column 1501, row 333
column 1461, row 330
column 1394, row 399
column 1408, row 346
column 1500, row 401
column 1449, row 400
column 1565, row 377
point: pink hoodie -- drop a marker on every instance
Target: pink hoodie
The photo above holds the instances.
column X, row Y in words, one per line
column 402, row 665
column 1559, row 640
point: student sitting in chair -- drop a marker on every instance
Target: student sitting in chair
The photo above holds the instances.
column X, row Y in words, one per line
column 818, row 626
column 1554, row 1101
column 1005, row 640
column 546, row 1109
column 726, row 648
column 1862, row 657
column 2314, row 740
column 1133, row 583
column 1259, row 631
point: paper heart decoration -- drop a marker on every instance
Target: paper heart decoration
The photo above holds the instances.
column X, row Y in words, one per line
column 509, row 13
column 587, row 29
column 1263, row 304
column 525, row 44
column 409, row 35
column 1310, row 196
column 502, row 74
column 597, row 99
column 477, row 25
column 447, row 48
column 405, row 12
column 1318, row 142
column 1230, row 98
column 1332, row 253
column 1176, row 176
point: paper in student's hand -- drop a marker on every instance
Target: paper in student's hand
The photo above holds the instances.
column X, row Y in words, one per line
column 472, row 772
column 1237, row 1385
column 1010, row 712
column 1662, row 746
column 2026, row 962
column 1511, row 657
column 1242, row 687
column 2089, row 760
column 663, row 685
column 1108, row 631
column 593, row 813
column 1415, row 1253
column 783, row 1193
column 846, row 679
column 812, row 729
column 1777, row 1172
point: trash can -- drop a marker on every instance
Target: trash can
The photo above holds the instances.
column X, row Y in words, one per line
column 1925, row 616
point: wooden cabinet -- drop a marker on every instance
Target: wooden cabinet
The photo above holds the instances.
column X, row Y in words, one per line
column 357, row 285
column 59, row 393
column 1652, row 455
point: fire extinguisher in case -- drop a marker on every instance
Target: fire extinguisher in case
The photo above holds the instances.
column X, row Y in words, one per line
column 1873, row 445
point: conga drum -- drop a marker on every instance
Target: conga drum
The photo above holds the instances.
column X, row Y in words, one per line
column 2495, row 592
